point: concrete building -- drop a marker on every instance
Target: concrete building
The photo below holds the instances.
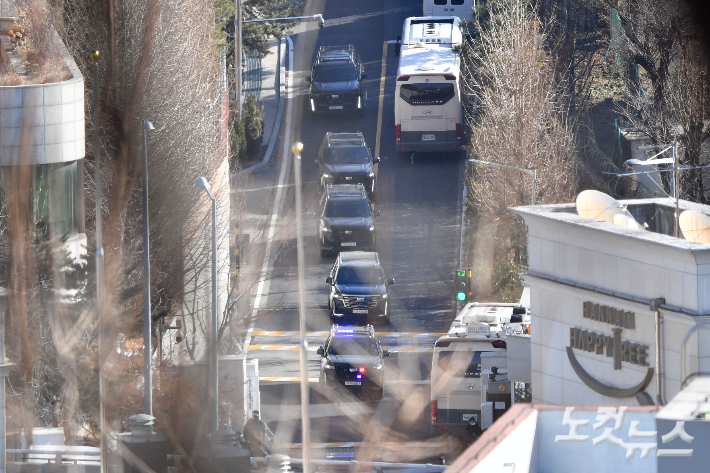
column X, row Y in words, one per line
column 591, row 439
column 593, row 285
column 42, row 137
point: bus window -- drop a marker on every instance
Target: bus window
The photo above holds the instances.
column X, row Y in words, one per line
column 466, row 364
column 457, row 2
column 440, row 2
column 427, row 94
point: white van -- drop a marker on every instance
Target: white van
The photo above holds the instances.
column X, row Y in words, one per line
column 460, row 8
column 469, row 361
column 428, row 113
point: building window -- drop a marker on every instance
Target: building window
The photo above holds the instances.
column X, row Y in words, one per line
column 54, row 196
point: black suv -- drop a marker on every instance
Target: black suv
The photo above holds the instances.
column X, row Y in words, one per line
column 337, row 80
column 344, row 158
column 345, row 219
column 358, row 288
column 352, row 357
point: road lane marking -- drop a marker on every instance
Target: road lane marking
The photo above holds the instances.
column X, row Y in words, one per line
column 382, row 98
column 312, row 348
column 266, row 333
column 277, row 200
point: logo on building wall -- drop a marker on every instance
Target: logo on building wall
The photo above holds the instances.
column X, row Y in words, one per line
column 611, row 346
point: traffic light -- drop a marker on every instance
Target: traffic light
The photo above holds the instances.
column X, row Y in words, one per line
column 462, row 285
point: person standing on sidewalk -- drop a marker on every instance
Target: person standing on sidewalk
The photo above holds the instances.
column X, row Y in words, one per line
column 473, row 431
column 258, row 435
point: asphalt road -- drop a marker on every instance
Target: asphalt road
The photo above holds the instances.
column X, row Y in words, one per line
column 418, row 243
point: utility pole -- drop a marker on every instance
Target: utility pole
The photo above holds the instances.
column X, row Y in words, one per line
column 238, row 54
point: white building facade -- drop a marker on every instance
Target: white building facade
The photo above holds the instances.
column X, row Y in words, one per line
column 592, row 285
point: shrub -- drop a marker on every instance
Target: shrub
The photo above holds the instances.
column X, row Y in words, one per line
column 237, row 142
column 253, row 117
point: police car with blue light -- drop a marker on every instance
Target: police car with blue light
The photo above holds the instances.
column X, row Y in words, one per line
column 352, row 358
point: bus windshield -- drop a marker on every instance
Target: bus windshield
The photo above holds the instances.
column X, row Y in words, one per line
column 427, row 94
column 466, row 364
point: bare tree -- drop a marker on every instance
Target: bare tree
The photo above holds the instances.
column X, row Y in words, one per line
column 667, row 80
column 518, row 122
column 159, row 61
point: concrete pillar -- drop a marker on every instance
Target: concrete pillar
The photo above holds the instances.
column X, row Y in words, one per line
column 222, row 456
column 236, row 386
column 143, row 445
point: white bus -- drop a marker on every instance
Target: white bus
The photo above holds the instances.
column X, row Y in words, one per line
column 428, row 113
column 460, row 8
column 469, row 366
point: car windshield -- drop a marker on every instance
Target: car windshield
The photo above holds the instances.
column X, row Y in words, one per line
column 359, row 275
column 342, row 208
column 350, row 345
column 344, row 72
column 427, row 94
column 347, row 155
column 464, row 364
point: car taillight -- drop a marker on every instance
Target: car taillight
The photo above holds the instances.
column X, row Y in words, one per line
column 458, row 132
column 449, row 77
column 442, row 344
column 499, row 344
column 362, row 369
column 402, row 78
column 398, row 133
column 434, row 411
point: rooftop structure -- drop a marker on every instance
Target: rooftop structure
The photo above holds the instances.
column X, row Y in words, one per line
column 595, row 287
column 42, row 127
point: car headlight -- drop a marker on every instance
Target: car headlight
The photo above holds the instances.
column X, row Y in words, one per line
column 372, row 228
column 327, row 176
column 329, row 365
column 372, row 174
column 385, row 296
column 336, row 296
column 378, row 366
column 324, row 228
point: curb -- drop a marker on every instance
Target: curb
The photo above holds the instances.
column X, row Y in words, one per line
column 284, row 76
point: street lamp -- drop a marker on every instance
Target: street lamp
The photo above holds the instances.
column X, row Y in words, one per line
column 94, row 57
column 305, row 417
column 147, row 374
column 531, row 172
column 213, row 381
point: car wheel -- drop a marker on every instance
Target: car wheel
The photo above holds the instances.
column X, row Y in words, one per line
column 323, row 252
column 380, row 395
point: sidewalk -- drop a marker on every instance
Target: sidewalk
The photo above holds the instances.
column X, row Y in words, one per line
column 261, row 77
column 254, row 189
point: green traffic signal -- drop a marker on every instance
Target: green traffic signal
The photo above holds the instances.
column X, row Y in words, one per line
column 461, row 296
